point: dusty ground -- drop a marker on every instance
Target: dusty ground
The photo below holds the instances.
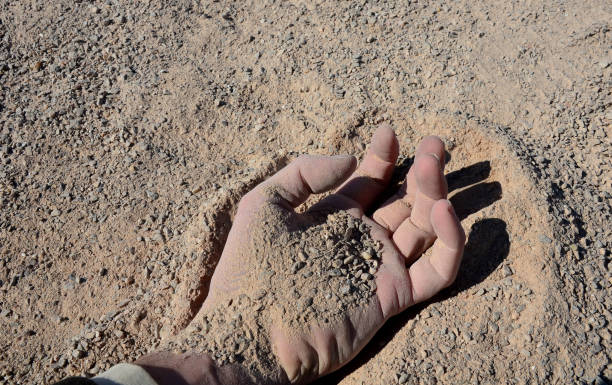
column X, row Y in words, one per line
column 128, row 130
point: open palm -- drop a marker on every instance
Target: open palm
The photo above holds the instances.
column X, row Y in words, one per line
column 415, row 219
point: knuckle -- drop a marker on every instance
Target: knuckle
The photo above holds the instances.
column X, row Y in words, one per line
column 434, row 141
column 300, row 367
column 302, row 159
column 449, row 280
column 450, row 275
column 242, row 203
column 248, row 200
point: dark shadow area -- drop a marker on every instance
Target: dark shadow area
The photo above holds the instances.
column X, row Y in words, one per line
column 402, row 167
column 397, row 178
column 475, row 198
column 456, row 179
column 447, row 156
column 468, row 175
column 400, row 172
column 487, row 246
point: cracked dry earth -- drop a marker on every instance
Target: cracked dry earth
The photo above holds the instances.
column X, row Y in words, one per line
column 129, row 130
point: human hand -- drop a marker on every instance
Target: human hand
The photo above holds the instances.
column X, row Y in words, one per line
column 266, row 237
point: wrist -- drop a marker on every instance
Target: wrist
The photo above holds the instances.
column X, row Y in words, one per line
column 195, row 369
column 181, row 369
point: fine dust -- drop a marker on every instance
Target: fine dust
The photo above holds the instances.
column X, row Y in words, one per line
column 326, row 261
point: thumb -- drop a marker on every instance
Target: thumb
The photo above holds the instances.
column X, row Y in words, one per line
column 311, row 174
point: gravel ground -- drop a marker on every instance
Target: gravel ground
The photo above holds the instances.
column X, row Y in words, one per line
column 128, row 130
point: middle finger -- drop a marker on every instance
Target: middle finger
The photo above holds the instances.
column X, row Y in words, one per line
column 399, row 207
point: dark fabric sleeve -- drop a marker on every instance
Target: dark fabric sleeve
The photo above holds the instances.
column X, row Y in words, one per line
column 75, row 381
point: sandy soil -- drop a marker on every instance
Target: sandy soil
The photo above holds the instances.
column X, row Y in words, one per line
column 129, row 130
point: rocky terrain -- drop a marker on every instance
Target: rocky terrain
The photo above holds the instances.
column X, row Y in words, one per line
column 129, row 130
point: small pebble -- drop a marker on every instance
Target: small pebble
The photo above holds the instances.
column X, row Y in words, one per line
column 366, row 256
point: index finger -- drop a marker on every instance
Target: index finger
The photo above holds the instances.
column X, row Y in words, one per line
column 374, row 172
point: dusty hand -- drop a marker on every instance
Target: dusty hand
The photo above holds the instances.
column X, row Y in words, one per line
column 416, row 218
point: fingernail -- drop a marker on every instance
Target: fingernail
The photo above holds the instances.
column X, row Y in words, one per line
column 451, row 209
column 437, row 158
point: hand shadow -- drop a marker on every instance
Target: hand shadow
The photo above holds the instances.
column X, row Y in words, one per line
column 487, row 246
column 455, row 180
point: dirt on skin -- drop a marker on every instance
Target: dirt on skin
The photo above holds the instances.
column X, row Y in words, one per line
column 325, row 261
column 130, row 130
